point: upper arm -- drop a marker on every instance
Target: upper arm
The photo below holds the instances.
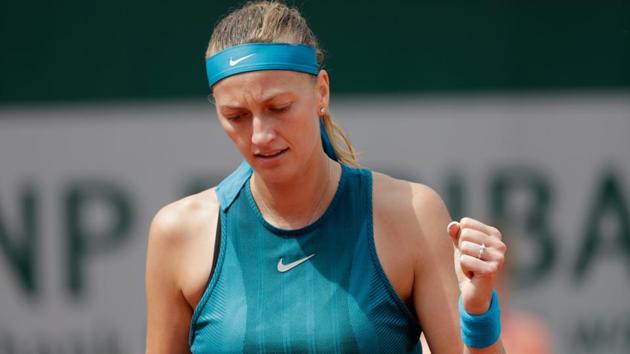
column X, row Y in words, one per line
column 435, row 291
column 168, row 314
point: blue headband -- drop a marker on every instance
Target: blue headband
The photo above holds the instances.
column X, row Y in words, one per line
column 261, row 56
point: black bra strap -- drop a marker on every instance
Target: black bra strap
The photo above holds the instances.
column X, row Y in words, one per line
column 217, row 247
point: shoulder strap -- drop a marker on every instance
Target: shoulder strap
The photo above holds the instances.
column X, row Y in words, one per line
column 229, row 188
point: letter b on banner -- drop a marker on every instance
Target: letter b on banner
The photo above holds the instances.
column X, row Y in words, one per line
column 531, row 222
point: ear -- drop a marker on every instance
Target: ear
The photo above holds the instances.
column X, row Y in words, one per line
column 323, row 89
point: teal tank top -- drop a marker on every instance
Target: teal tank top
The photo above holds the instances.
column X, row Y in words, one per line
column 318, row 289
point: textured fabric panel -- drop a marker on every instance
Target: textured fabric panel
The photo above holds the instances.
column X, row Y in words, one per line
column 337, row 301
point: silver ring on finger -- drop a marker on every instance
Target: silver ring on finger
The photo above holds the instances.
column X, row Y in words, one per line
column 482, row 250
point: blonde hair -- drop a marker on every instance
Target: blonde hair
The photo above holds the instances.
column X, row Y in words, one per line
column 273, row 21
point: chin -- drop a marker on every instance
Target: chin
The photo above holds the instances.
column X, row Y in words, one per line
column 274, row 173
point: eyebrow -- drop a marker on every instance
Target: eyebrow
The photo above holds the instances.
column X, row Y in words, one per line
column 264, row 100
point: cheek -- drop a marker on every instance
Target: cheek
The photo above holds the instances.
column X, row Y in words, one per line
column 241, row 140
column 237, row 133
column 304, row 129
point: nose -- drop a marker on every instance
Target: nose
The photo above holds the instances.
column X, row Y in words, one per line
column 263, row 131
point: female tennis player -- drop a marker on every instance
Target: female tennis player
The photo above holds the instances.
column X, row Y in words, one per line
column 299, row 250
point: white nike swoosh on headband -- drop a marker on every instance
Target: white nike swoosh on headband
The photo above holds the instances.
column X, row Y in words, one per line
column 234, row 62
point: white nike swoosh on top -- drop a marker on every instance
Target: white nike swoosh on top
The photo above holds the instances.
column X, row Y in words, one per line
column 236, row 61
column 287, row 267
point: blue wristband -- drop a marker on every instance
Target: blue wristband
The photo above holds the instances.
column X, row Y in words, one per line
column 481, row 331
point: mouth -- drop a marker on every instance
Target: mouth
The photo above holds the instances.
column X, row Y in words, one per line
column 271, row 154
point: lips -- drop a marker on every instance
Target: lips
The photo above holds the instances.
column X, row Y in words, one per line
column 270, row 154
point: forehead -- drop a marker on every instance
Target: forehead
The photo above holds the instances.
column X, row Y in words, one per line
column 261, row 85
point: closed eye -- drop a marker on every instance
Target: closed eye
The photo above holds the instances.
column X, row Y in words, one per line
column 280, row 109
column 234, row 117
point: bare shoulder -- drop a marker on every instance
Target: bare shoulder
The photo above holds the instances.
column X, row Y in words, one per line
column 408, row 233
column 412, row 217
column 181, row 218
column 180, row 247
column 406, row 201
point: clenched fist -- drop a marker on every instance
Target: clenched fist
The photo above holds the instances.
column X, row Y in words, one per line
column 479, row 257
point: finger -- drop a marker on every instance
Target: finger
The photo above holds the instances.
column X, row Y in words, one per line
column 488, row 254
column 470, row 223
column 473, row 267
column 453, row 229
column 478, row 237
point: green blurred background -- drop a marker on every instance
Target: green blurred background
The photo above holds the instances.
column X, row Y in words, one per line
column 113, row 50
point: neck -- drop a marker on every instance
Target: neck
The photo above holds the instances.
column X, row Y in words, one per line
column 296, row 203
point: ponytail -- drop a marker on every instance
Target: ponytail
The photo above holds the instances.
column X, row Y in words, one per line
column 340, row 142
